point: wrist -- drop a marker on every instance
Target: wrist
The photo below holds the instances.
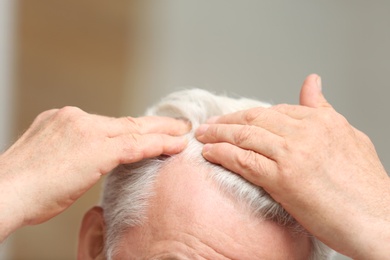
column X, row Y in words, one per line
column 375, row 240
column 373, row 229
column 11, row 210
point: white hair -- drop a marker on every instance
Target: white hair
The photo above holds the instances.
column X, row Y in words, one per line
column 129, row 187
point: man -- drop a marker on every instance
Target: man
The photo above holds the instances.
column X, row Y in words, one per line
column 183, row 207
column 324, row 172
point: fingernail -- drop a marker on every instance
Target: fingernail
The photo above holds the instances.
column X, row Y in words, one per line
column 187, row 123
column 319, row 82
column 201, row 129
column 206, row 148
column 185, row 141
column 213, row 119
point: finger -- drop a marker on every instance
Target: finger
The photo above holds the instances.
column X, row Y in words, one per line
column 252, row 166
column 149, row 124
column 163, row 125
column 311, row 93
column 293, row 111
column 133, row 148
column 246, row 137
column 271, row 120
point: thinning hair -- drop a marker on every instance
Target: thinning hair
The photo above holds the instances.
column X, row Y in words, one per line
column 129, row 187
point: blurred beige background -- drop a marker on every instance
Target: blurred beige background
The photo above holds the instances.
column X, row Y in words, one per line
column 118, row 57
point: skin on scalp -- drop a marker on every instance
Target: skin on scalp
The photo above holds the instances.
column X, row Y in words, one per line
column 189, row 218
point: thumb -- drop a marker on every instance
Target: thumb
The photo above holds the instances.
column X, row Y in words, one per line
column 311, row 93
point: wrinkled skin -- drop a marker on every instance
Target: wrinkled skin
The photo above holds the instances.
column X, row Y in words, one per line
column 66, row 151
column 322, row 170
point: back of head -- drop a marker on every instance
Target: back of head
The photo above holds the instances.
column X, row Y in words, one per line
column 128, row 188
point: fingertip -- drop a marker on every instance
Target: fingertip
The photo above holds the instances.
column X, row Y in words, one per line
column 201, row 130
column 319, row 83
column 187, row 126
column 311, row 91
column 182, row 126
column 208, row 154
column 212, row 119
column 312, row 76
column 162, row 125
column 180, row 143
column 206, row 149
column 184, row 141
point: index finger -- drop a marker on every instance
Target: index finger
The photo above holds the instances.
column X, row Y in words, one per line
column 150, row 124
column 269, row 119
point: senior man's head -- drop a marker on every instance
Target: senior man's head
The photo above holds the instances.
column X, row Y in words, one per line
column 183, row 207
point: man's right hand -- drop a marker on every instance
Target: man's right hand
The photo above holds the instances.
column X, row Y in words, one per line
column 66, row 151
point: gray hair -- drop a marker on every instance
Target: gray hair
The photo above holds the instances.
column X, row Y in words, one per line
column 129, row 187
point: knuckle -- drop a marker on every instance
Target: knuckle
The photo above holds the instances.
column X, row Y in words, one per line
column 329, row 117
column 132, row 149
column 333, row 123
column 131, row 142
column 249, row 162
column 69, row 111
column 75, row 118
column 134, row 123
column 284, row 148
column 68, row 114
column 288, row 167
column 286, row 177
column 129, row 155
column 45, row 115
column 343, row 121
column 281, row 107
column 243, row 135
column 251, row 115
column 365, row 139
